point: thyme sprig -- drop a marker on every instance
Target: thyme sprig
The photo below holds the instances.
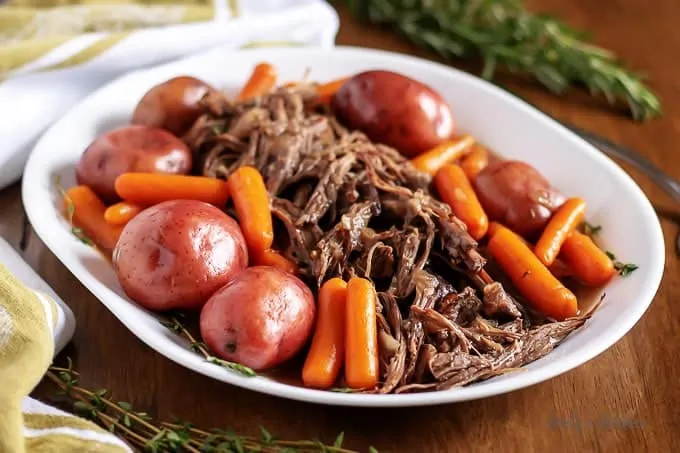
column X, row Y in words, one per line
column 502, row 33
column 145, row 434
column 173, row 323
column 70, row 212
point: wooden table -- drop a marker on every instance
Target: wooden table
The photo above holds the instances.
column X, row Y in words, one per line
column 627, row 399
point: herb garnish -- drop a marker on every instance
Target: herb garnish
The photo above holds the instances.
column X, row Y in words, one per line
column 504, row 34
column 70, row 212
column 173, row 323
column 590, row 230
column 624, row 269
column 144, row 433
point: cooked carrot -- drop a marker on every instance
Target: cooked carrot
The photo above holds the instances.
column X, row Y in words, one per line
column 475, row 161
column 260, row 82
column 85, row 211
column 455, row 190
column 327, row 352
column 361, row 335
column 326, row 91
column 560, row 269
column 147, row 189
column 121, row 213
column 533, row 280
column 273, row 258
column 493, row 227
column 445, row 153
column 251, row 201
column 589, row 264
column 563, row 222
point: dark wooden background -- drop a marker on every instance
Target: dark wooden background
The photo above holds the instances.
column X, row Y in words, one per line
column 627, row 399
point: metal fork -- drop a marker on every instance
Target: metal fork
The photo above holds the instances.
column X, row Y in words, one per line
column 668, row 184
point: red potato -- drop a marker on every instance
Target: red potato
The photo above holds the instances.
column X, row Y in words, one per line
column 176, row 254
column 394, row 110
column 172, row 105
column 130, row 149
column 260, row 319
column 518, row 196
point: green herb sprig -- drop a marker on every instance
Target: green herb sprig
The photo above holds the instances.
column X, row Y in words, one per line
column 503, row 34
column 142, row 432
column 174, row 324
column 624, row 269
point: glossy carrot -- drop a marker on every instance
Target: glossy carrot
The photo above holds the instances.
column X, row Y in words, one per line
column 445, row 153
column 326, row 91
column 455, row 190
column 327, row 352
column 589, row 264
column 251, row 201
column 563, row 222
column 273, row 258
column 147, row 189
column 475, row 161
column 533, row 280
column 85, row 212
column 262, row 80
column 493, row 227
column 121, row 213
column 560, row 269
column 361, row 335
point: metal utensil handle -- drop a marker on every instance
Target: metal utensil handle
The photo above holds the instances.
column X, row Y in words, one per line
column 670, row 185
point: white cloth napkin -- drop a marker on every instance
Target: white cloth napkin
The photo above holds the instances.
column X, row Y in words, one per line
column 31, row 99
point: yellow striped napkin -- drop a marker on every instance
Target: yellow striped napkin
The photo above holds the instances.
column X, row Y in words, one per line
column 55, row 52
column 27, row 327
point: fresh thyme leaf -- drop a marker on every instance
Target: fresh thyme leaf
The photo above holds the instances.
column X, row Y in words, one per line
column 126, row 420
column 339, row 440
column 504, row 34
column 197, row 345
column 242, row 369
column 625, row 269
column 125, row 405
column 81, row 406
column 372, row 450
column 343, row 390
column 266, row 436
column 591, row 230
column 610, row 255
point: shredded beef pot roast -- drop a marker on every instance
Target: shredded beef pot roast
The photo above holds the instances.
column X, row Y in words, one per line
column 344, row 206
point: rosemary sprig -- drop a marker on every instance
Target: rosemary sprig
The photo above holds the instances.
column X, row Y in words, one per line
column 146, row 434
column 173, row 323
column 504, row 34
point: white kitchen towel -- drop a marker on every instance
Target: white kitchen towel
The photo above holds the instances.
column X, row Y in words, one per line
column 35, row 95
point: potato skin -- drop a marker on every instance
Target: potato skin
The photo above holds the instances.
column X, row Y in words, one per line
column 260, row 319
column 172, row 105
column 130, row 149
column 176, row 254
column 515, row 194
column 394, row 110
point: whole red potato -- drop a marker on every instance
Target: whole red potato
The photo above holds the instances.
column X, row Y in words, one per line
column 260, row 319
column 130, row 149
column 394, row 110
column 172, row 105
column 518, row 196
column 176, row 254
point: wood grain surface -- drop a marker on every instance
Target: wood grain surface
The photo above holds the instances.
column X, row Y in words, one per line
column 627, row 399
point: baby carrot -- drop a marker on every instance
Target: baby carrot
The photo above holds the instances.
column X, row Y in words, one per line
column 327, row 352
column 475, row 161
column 261, row 81
column 533, row 280
column 85, row 211
column 493, row 227
column 121, row 213
column 361, row 335
column 273, row 258
column 327, row 90
column 455, row 190
column 251, row 201
column 563, row 222
column 589, row 264
column 449, row 151
column 147, row 189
